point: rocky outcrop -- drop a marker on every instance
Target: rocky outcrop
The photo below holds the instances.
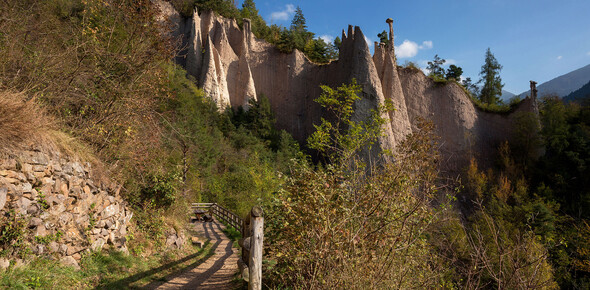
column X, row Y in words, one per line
column 67, row 209
column 465, row 131
column 233, row 66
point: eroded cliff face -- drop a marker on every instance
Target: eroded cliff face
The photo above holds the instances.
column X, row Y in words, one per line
column 233, row 66
column 465, row 131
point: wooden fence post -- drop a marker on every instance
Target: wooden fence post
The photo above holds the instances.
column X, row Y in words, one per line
column 255, row 263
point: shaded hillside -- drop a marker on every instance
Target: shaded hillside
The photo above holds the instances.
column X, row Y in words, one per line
column 580, row 94
column 103, row 71
column 564, row 84
column 506, row 96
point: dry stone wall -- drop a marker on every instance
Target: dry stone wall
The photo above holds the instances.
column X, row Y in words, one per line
column 62, row 198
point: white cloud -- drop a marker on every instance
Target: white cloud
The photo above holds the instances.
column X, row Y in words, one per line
column 407, row 49
column 369, row 41
column 422, row 64
column 327, row 38
column 283, row 15
column 588, row 53
column 410, row 49
column 559, row 57
column 426, row 44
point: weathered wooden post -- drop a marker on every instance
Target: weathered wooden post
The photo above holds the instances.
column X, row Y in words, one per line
column 244, row 242
column 256, row 239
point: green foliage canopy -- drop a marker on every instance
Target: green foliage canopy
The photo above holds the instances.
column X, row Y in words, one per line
column 435, row 67
column 490, row 77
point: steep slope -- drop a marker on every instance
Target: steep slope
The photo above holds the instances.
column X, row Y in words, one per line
column 232, row 66
column 580, row 94
column 564, row 84
column 506, row 96
column 465, row 131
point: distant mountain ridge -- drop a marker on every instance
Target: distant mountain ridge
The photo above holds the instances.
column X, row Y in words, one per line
column 506, row 96
column 564, row 84
column 582, row 93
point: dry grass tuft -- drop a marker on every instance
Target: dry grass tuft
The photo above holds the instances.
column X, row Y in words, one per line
column 22, row 123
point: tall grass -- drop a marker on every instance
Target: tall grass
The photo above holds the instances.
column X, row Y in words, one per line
column 107, row 270
column 21, row 120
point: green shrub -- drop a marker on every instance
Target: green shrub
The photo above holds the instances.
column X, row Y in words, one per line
column 14, row 234
column 160, row 189
column 348, row 224
column 48, row 238
column 411, row 65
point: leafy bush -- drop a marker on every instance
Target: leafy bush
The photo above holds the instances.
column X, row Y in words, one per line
column 161, row 189
column 13, row 235
column 337, row 226
column 411, row 65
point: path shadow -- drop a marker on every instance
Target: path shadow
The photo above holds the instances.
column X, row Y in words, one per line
column 217, row 265
column 125, row 283
column 197, row 279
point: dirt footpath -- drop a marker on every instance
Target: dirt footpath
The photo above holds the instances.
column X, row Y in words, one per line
column 217, row 272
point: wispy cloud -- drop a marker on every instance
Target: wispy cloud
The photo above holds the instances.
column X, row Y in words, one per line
column 283, row 15
column 369, row 41
column 426, row 44
column 588, row 53
column 559, row 57
column 327, row 38
column 409, row 48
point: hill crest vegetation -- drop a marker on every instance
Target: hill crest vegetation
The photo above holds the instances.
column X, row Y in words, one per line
column 103, row 72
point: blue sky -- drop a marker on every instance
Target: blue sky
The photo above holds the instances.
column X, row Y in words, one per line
column 534, row 40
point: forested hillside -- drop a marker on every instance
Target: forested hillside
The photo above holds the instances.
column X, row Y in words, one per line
column 101, row 74
column 579, row 95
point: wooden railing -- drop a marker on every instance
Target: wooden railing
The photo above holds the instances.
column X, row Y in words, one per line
column 252, row 230
column 220, row 212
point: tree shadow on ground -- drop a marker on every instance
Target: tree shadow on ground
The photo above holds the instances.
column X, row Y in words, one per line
column 126, row 282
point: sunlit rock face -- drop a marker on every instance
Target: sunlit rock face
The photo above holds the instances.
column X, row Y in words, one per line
column 233, row 66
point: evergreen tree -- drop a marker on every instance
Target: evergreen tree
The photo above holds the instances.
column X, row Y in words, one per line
column 470, row 86
column 435, row 67
column 302, row 39
column 490, row 76
column 285, row 41
column 225, row 8
column 454, row 72
column 317, row 51
column 298, row 22
column 259, row 27
column 337, row 43
column 249, row 9
column 383, row 38
column 331, row 51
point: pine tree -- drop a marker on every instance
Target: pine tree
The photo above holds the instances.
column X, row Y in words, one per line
column 301, row 37
column 259, row 27
column 490, row 76
column 470, row 86
column 435, row 67
column 298, row 22
column 249, row 9
column 383, row 38
column 337, row 42
column 454, row 72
